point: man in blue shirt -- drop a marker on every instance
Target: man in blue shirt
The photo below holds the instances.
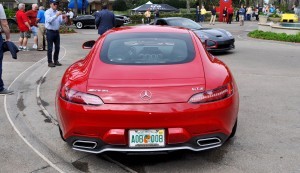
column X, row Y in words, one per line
column 104, row 20
column 41, row 29
column 242, row 13
column 53, row 20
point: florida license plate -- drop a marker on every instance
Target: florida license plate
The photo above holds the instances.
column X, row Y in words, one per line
column 147, row 138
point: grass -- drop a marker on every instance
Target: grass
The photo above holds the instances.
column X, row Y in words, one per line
column 275, row 36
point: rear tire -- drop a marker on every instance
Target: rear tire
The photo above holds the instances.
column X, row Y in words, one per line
column 79, row 25
column 233, row 130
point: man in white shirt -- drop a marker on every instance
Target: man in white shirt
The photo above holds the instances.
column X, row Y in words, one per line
column 70, row 15
column 53, row 19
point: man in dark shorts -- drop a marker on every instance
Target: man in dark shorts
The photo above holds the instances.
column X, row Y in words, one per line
column 24, row 27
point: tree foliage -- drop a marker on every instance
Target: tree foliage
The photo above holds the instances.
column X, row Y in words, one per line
column 120, row 5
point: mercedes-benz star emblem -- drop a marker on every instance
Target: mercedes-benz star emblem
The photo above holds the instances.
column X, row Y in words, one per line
column 146, row 95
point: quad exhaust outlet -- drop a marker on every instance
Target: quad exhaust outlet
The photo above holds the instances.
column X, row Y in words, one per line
column 85, row 144
column 209, row 141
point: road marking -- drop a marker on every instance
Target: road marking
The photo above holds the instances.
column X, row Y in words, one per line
column 47, row 114
column 18, row 132
column 38, row 96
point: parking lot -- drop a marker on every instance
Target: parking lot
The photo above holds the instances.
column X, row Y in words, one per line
column 267, row 138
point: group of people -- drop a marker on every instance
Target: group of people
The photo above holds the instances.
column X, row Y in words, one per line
column 147, row 14
column 242, row 14
column 200, row 14
column 38, row 22
column 44, row 26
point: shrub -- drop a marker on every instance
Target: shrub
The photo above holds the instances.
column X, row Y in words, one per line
column 9, row 13
column 275, row 36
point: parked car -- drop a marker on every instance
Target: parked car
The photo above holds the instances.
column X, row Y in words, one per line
column 125, row 19
column 147, row 89
column 224, row 39
column 13, row 25
column 89, row 21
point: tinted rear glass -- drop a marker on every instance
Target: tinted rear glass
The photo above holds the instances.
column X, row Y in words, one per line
column 147, row 48
column 186, row 23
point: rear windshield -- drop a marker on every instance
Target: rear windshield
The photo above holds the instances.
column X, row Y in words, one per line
column 147, row 49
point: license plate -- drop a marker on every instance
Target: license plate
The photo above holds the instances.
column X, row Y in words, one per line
column 147, row 138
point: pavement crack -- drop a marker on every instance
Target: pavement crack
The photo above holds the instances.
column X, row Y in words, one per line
column 124, row 167
column 38, row 170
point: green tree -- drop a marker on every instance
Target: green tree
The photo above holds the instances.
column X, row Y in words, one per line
column 120, row 5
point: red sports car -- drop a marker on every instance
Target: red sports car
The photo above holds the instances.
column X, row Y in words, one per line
column 147, row 88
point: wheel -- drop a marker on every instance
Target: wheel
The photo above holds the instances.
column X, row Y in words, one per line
column 79, row 25
column 61, row 135
column 233, row 129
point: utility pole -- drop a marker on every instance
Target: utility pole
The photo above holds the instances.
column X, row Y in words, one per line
column 200, row 3
column 75, row 7
column 188, row 8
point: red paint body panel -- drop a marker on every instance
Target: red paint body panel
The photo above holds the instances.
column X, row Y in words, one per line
column 171, row 87
column 195, row 119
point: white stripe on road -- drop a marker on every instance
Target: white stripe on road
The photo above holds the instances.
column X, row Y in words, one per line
column 38, row 96
column 18, row 132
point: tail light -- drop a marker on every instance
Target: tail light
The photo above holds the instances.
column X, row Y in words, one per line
column 213, row 95
column 80, row 97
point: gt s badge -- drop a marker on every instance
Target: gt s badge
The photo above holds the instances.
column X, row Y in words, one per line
column 198, row 89
column 98, row 90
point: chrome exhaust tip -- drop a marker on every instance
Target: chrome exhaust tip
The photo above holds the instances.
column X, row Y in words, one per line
column 208, row 141
column 85, row 144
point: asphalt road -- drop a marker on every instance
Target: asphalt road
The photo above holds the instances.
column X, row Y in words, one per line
column 267, row 138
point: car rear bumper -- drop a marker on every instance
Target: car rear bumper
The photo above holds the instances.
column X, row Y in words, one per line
column 107, row 125
column 194, row 144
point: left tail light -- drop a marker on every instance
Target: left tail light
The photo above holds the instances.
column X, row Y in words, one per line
column 80, row 97
column 213, row 95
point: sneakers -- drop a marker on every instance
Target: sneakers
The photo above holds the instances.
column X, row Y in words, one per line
column 25, row 49
column 6, row 92
column 34, row 46
column 57, row 63
column 20, row 48
column 51, row 64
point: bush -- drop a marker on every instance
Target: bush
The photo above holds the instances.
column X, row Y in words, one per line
column 275, row 36
column 9, row 13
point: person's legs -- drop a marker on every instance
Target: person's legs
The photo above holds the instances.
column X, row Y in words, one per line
column 26, row 36
column 214, row 19
column 34, row 30
column 57, row 46
column 40, row 37
column 21, row 40
column 1, row 58
column 50, row 39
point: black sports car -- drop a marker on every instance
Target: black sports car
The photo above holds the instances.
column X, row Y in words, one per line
column 89, row 21
column 223, row 38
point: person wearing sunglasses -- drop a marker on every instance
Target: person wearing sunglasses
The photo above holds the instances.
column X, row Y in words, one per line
column 53, row 19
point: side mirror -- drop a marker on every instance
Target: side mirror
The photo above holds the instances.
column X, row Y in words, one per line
column 209, row 44
column 88, row 44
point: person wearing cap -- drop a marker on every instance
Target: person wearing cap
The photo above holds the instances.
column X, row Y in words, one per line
column 53, row 19
column 5, row 29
